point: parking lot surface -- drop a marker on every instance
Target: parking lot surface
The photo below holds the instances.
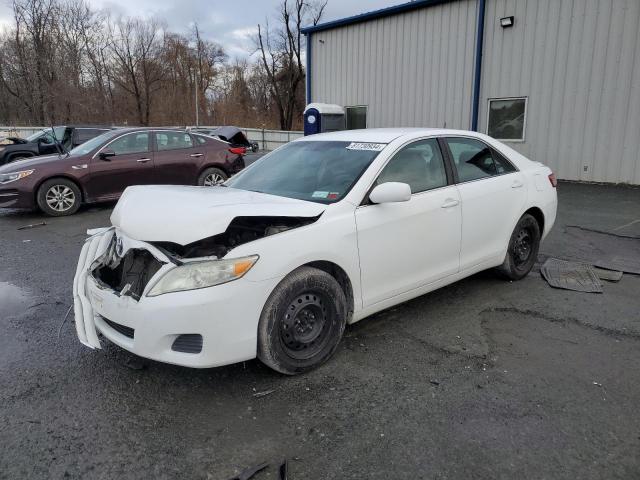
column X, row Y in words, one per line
column 481, row 379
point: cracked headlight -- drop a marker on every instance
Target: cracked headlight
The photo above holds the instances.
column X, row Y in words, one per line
column 202, row 274
column 12, row 177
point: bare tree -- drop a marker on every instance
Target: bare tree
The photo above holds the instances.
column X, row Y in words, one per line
column 281, row 53
column 64, row 61
column 135, row 46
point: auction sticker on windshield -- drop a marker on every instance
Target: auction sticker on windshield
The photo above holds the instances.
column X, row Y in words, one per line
column 373, row 147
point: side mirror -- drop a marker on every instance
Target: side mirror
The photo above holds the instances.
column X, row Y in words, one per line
column 44, row 141
column 391, row 192
column 106, row 154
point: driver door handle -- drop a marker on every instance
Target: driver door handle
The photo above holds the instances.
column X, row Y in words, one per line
column 143, row 160
column 450, row 202
column 517, row 184
column 196, row 155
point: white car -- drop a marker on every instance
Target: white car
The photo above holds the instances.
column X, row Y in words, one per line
column 322, row 232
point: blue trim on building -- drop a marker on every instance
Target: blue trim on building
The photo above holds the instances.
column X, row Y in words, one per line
column 383, row 12
column 308, row 69
column 394, row 10
column 475, row 105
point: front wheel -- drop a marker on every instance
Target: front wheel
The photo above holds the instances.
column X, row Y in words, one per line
column 523, row 249
column 59, row 197
column 302, row 322
column 211, row 177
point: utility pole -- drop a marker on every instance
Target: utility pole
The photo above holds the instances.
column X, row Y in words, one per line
column 196, row 90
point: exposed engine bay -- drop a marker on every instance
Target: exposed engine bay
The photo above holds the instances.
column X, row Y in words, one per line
column 130, row 273
column 241, row 230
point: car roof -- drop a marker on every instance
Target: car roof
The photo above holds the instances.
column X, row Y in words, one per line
column 384, row 135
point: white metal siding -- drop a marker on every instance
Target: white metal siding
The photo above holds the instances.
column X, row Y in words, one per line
column 578, row 62
column 410, row 69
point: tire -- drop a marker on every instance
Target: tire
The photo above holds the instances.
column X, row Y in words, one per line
column 302, row 322
column 211, row 177
column 523, row 249
column 59, row 197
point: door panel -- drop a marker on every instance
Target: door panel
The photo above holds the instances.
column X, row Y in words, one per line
column 408, row 244
column 492, row 193
column 405, row 245
column 177, row 158
column 132, row 164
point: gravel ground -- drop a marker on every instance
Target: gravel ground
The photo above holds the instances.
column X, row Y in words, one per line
column 481, row 379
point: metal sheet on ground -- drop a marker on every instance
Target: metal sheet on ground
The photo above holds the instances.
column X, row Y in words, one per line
column 608, row 275
column 605, row 250
column 576, row 276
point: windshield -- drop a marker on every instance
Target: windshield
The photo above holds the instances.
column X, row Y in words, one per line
column 94, row 143
column 318, row 171
column 46, row 134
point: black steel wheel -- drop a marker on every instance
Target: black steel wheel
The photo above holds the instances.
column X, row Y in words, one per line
column 523, row 249
column 305, row 325
column 302, row 322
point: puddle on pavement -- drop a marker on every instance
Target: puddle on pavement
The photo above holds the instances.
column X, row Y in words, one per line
column 13, row 300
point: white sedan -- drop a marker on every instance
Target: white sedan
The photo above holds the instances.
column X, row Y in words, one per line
column 320, row 233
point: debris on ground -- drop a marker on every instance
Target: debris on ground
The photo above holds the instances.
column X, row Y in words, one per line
column 434, row 382
column 567, row 275
column 135, row 364
column 64, row 320
column 597, row 384
column 283, row 471
column 612, row 251
column 250, row 472
column 608, row 275
column 33, row 225
column 263, row 394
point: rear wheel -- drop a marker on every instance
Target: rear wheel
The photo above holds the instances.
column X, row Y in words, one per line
column 211, row 177
column 59, row 197
column 302, row 322
column 523, row 249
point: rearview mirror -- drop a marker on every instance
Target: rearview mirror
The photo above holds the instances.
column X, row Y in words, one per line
column 107, row 154
column 390, row 192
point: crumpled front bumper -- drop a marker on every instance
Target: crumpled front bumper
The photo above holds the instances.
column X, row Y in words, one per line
column 225, row 316
column 94, row 247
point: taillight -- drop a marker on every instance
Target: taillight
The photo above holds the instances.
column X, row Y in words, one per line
column 238, row 150
column 553, row 180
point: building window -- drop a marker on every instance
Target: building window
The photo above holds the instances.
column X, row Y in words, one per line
column 356, row 117
column 507, row 119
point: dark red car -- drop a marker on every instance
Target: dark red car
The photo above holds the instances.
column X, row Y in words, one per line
column 100, row 169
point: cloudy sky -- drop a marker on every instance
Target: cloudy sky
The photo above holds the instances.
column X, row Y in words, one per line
column 229, row 22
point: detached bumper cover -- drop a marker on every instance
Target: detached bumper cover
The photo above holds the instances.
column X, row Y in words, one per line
column 225, row 316
column 95, row 246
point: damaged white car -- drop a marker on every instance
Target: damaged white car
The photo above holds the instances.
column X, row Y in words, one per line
column 320, row 233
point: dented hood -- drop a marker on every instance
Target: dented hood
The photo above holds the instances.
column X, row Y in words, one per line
column 183, row 215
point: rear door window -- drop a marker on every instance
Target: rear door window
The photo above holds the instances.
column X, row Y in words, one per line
column 173, row 141
column 475, row 160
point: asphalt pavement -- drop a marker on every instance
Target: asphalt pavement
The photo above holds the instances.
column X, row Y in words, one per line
column 484, row 379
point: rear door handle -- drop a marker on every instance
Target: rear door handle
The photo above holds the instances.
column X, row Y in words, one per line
column 517, row 184
column 450, row 202
column 143, row 160
column 196, row 155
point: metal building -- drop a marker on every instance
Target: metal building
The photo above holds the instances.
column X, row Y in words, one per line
column 559, row 80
